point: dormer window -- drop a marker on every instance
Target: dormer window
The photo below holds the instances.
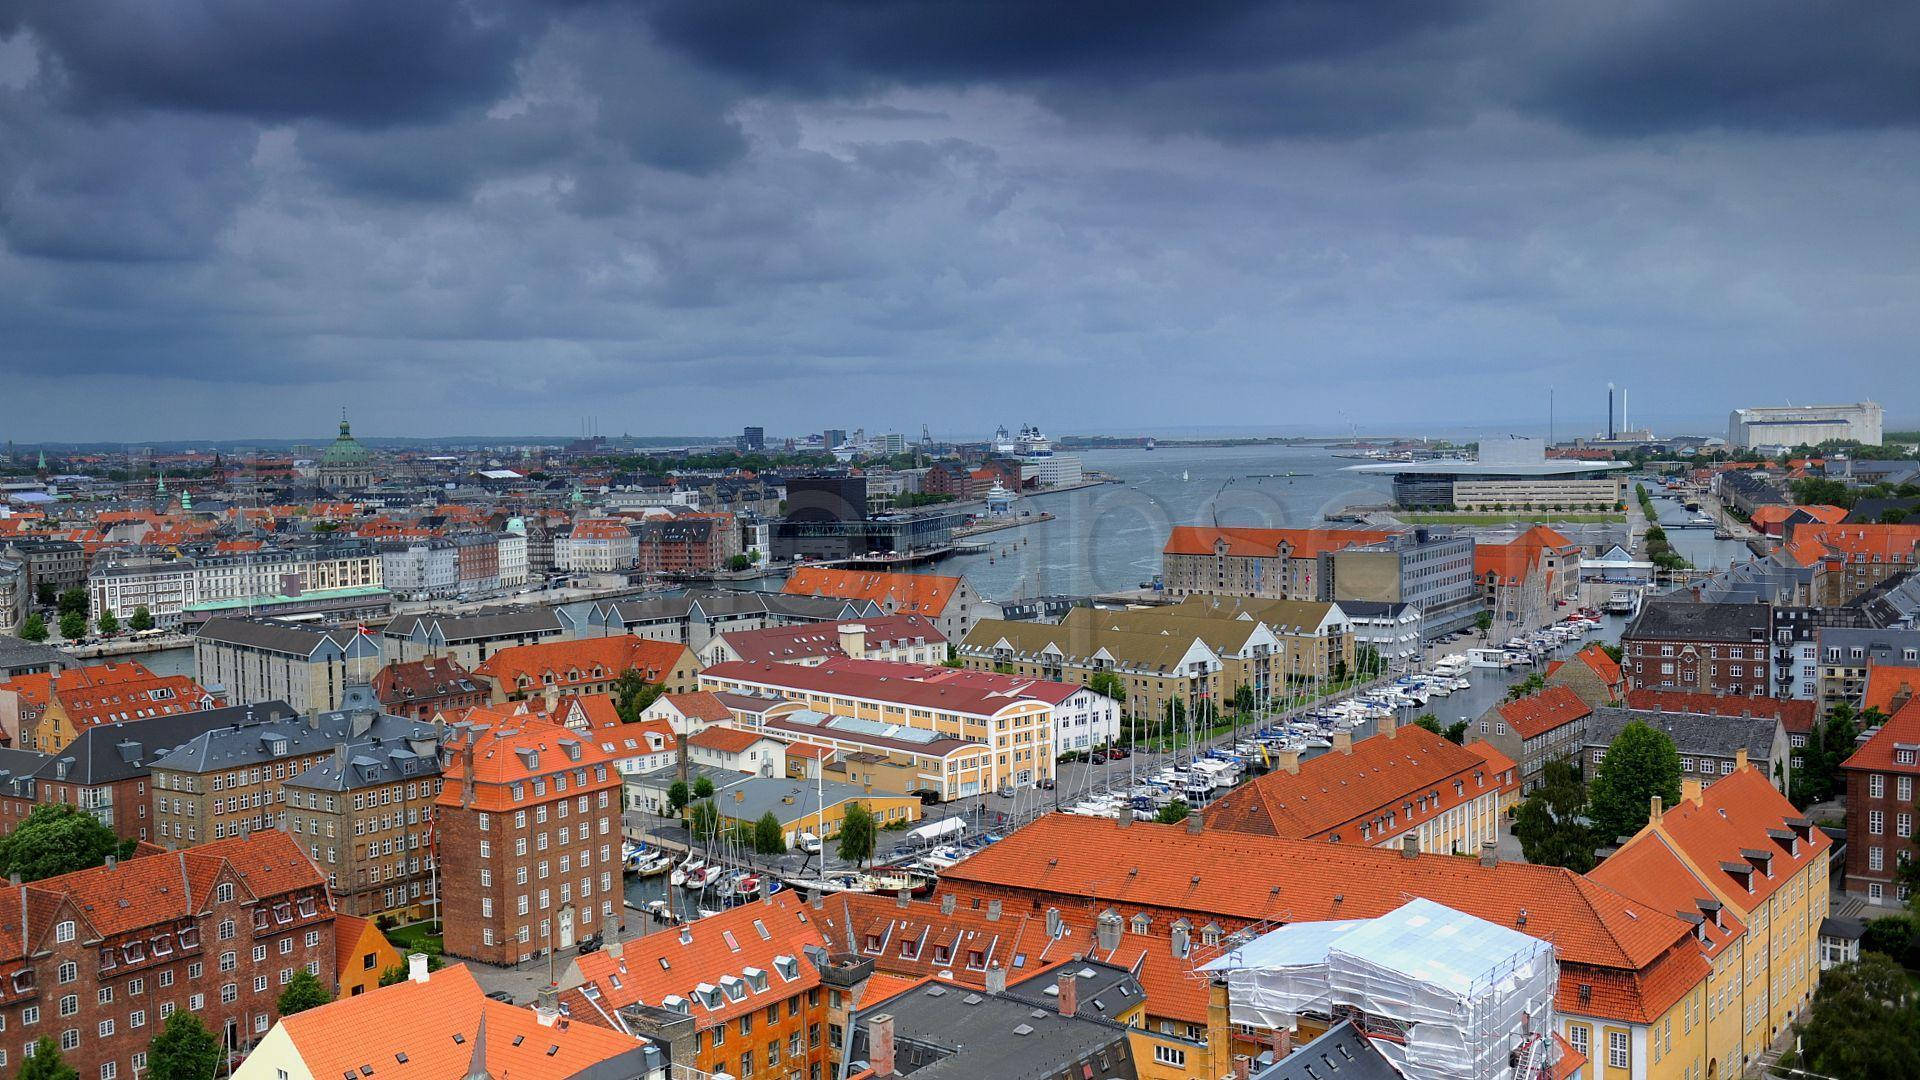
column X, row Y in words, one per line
column 942, row 954
column 1141, row 924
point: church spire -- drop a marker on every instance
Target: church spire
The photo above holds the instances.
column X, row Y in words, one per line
column 477, row 1065
column 345, row 431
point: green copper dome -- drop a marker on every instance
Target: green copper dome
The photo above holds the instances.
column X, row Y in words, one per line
column 346, row 450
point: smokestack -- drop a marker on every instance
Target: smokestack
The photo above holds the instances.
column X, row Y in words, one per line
column 1624, row 426
column 1609, row 412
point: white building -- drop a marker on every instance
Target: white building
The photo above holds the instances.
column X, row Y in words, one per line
column 165, row 587
column 513, row 557
column 597, row 546
column 1797, row 425
column 421, row 569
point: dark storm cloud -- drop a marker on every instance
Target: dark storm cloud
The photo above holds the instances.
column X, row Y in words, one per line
column 359, row 62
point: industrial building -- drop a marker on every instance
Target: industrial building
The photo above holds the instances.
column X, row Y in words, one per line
column 1805, row 425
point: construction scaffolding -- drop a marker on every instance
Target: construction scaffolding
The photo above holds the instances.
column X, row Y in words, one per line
column 1443, row 995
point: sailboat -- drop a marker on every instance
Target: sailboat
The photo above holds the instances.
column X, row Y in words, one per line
column 1184, row 475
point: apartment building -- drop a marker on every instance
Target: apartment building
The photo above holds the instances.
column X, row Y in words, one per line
column 1275, row 564
column 597, row 546
column 1740, row 864
column 1432, row 572
column 73, row 706
column 422, row 689
column 286, row 570
column 1626, row 968
column 477, row 563
column 694, row 618
column 1851, row 560
column 101, row 958
column 1698, row 648
column 1711, row 747
column 687, row 544
column 24, row 698
column 1017, row 729
column 123, row 584
column 260, row 659
column 1539, row 728
column 738, row 993
column 423, row 569
column 1403, row 785
column 59, row 563
column 588, row 666
column 887, row 758
column 528, row 822
column 1880, row 778
column 1846, row 655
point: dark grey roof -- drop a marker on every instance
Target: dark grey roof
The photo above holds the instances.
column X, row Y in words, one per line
column 1340, row 1052
column 1868, row 511
column 274, row 635
column 1880, row 646
column 1684, row 620
column 721, row 603
column 1372, row 609
column 480, row 626
column 359, row 724
column 1893, row 602
column 1105, row 990
column 1843, row 928
column 17, row 766
column 1757, row 581
column 947, row 1032
column 107, row 753
column 372, row 761
column 19, row 657
column 1692, row 733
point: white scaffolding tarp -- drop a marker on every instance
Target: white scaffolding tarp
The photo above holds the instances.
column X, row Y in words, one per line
column 1464, row 992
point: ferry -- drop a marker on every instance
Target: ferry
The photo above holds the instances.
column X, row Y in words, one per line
column 1622, row 602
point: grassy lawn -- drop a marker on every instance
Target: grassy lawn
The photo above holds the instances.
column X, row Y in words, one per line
column 1504, row 518
column 422, row 937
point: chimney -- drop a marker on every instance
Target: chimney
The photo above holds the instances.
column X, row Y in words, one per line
column 1489, row 854
column 947, row 904
column 546, row 1006
column 739, row 795
column 1068, row 989
column 112, row 862
column 993, row 911
column 1656, row 807
column 1740, row 760
column 1288, row 761
column 880, row 1044
column 900, row 897
column 1387, row 725
column 853, row 640
column 1124, row 818
column 1282, row 1042
column 996, row 980
column 1196, row 821
column 1343, row 742
column 1690, row 791
column 1242, row 1067
column 416, row 967
column 1410, row 847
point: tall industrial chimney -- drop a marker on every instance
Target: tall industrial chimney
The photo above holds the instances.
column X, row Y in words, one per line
column 1609, row 412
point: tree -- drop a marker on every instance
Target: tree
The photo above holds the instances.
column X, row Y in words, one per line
column 1430, row 722
column 1457, row 733
column 1614, row 652
column 58, row 839
column 632, row 694
column 702, row 788
column 1532, row 684
column 1173, row 813
column 1243, row 699
column 1483, row 622
column 1863, row 1022
column 46, row 1063
column 678, row 796
column 73, row 625
column 184, row 1050
column 35, row 628
column 47, row 593
column 1889, row 935
column 1641, row 763
column 768, row 837
column 739, row 562
column 856, row 835
column 303, row 993
column 1893, row 515
column 1550, row 824
column 1108, row 684
column 703, row 818
column 109, row 623
column 73, row 600
column 142, row 618
column 398, row 972
column 1817, row 778
column 1819, row 491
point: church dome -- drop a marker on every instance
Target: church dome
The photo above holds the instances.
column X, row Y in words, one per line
column 346, row 451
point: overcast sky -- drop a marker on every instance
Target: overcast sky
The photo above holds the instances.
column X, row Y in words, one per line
column 226, row 218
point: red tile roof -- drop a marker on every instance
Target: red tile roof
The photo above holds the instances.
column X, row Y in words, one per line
column 1507, row 564
column 1602, row 664
column 570, row 664
column 1812, row 543
column 1794, row 715
column 1537, row 714
column 914, row 594
column 786, row 644
column 1890, row 687
column 1340, row 792
column 37, row 688
column 503, row 749
column 1648, row 869
column 700, row 705
column 725, row 740
column 878, row 681
column 433, row 1030
column 1267, row 543
column 1879, row 752
column 1637, row 961
column 1737, row 814
column 131, row 699
column 424, row 680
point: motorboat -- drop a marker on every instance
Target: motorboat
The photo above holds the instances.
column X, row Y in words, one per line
column 651, row 865
column 686, row 870
column 747, row 887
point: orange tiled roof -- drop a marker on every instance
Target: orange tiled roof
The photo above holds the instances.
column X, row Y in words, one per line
column 677, row 963
column 913, row 594
column 1266, row 543
column 1537, row 714
column 131, row 699
column 1736, row 814
column 725, row 740
column 700, row 705
column 431, row 1031
column 568, row 664
column 1890, row 687
column 1794, row 715
column 514, row 749
column 1348, row 789
column 38, row 688
column 1901, row 732
column 1649, row 870
column 783, row 644
column 1812, row 543
column 1508, row 564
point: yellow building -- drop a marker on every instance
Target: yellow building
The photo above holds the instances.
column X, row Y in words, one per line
column 363, row 954
column 1738, row 858
column 1017, row 730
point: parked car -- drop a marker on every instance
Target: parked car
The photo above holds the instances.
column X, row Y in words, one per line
column 928, row 797
column 590, row 943
column 501, row 996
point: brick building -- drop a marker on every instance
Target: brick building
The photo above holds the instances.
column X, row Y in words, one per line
column 1880, row 779
column 689, row 544
column 527, row 831
column 1698, row 648
column 421, row 689
column 587, row 666
column 1278, row 564
column 98, row 959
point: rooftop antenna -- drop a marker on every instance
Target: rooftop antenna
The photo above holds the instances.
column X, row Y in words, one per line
column 1549, row 416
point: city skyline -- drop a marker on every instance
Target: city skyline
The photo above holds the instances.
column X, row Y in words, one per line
column 223, row 221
